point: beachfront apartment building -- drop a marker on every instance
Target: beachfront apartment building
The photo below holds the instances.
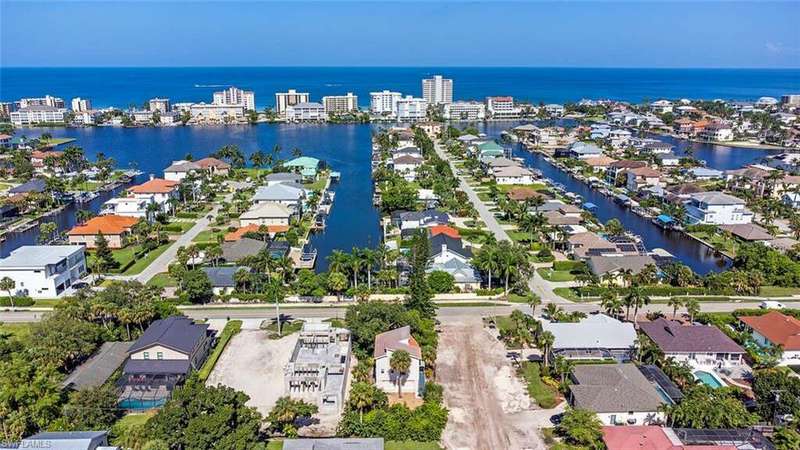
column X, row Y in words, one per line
column 502, row 108
column 306, row 112
column 216, row 112
column 717, row 132
column 465, row 111
column 44, row 271
column 234, row 96
column 159, row 104
column 717, row 208
column 37, row 114
column 47, row 100
column 340, row 103
column 283, row 100
column 384, row 103
column 437, row 90
column 411, row 109
column 81, row 104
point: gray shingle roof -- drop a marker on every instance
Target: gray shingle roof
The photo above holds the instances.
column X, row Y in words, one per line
column 99, row 367
column 672, row 337
column 600, row 265
column 613, row 388
column 35, row 185
column 236, row 250
column 334, row 444
column 222, row 276
column 176, row 332
column 157, row 366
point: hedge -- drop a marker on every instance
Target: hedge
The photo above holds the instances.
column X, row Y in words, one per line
column 18, row 301
column 187, row 215
column 231, row 329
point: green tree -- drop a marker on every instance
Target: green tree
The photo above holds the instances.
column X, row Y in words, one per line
column 400, row 362
column 366, row 396
column 581, row 427
column 104, row 257
column 46, row 231
column 545, row 342
column 197, row 287
column 441, row 282
column 337, row 282
column 31, row 395
column 8, row 285
column 286, row 412
column 94, row 408
column 614, row 227
column 786, row 438
column 420, row 297
column 705, row 407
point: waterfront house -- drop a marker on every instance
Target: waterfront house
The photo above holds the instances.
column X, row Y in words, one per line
column 387, row 379
column 554, row 110
column 444, row 229
column 642, row 177
column 283, row 178
column 661, row 106
column 584, row 150
column 223, row 279
column 657, row 147
column 513, row 175
column 704, row 345
column 39, row 157
column 285, row 194
column 407, row 165
column 306, row 166
column 667, row 159
column 36, row 185
column 599, row 163
column 497, row 162
column 748, row 232
column 717, row 132
column 683, row 126
column 66, row 440
column 234, row 251
column 165, row 354
column 584, row 245
column 213, row 166
column 619, row 138
column 615, row 266
column 776, row 329
column 240, row 232
column 618, row 167
column 431, row 129
column 115, row 230
column 490, row 149
column 179, row 170
column 618, row 393
column 595, row 337
column 160, row 191
column 128, row 206
column 444, row 247
column 468, row 138
column 44, row 271
column 717, row 208
column 266, row 214
column 318, row 368
column 412, row 220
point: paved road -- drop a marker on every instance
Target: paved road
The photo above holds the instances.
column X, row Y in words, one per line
column 486, row 216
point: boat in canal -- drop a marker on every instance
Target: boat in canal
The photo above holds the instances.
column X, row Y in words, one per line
column 666, row 222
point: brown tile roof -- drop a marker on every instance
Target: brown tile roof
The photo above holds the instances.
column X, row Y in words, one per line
column 644, row 172
column 779, row 328
column 253, row 228
column 672, row 337
column 627, row 164
column 748, row 232
column 600, row 161
column 108, row 225
column 212, row 162
column 524, row 193
column 155, row 186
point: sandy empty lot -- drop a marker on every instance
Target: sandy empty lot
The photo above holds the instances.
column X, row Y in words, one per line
column 489, row 406
column 253, row 364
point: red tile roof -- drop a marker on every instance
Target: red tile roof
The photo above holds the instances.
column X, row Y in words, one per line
column 155, row 186
column 108, row 225
column 446, row 230
column 212, row 162
column 253, row 228
column 777, row 327
column 649, row 437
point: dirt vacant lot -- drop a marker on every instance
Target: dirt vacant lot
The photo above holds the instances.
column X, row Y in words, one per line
column 253, row 364
column 489, row 406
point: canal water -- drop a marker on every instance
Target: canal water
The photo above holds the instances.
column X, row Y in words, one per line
column 353, row 221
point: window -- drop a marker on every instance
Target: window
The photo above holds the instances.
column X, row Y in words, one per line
column 160, row 355
column 146, row 355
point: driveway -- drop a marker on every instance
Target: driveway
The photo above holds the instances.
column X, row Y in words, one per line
column 489, row 406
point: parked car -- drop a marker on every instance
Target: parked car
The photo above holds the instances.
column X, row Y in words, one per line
column 80, row 285
column 771, row 304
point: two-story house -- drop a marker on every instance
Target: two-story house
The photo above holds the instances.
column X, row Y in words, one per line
column 44, row 271
column 717, row 208
column 388, row 380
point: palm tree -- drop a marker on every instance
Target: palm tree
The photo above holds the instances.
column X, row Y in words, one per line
column 362, row 395
column 7, row 284
column 637, row 298
column 533, row 301
column 611, row 303
column 545, row 343
column 692, row 308
column 563, row 367
column 675, row 303
column 400, row 362
column 552, row 310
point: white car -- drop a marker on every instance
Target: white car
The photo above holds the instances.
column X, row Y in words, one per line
column 770, row 304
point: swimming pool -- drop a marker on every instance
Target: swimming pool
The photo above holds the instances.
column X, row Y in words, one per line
column 141, row 405
column 708, row 379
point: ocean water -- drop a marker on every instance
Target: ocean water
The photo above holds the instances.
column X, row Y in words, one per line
column 132, row 86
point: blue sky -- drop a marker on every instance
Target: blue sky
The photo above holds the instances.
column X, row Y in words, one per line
column 436, row 33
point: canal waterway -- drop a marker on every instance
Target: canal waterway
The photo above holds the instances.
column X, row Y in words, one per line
column 353, row 220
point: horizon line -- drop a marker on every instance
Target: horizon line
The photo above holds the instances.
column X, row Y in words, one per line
column 401, row 67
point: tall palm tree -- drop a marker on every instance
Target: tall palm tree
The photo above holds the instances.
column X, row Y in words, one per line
column 400, row 362
column 545, row 343
column 552, row 310
column 533, row 301
column 675, row 303
column 637, row 298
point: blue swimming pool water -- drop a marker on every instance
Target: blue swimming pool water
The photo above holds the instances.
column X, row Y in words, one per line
column 708, row 379
column 141, row 405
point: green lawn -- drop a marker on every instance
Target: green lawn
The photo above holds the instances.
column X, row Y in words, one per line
column 162, row 280
column 20, row 330
column 56, row 141
column 142, row 263
column 317, row 186
column 209, row 236
column 46, row 302
column 275, row 445
column 777, row 291
column 555, row 275
column 545, row 396
column 569, row 294
column 286, row 329
column 718, row 241
column 128, row 422
column 184, row 225
column 411, row 445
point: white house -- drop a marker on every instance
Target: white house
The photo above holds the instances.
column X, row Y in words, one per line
column 387, row 379
column 266, row 214
column 596, row 337
column 178, row 170
column 661, row 106
column 776, row 329
column 288, row 195
column 158, row 191
column 618, row 393
column 407, row 165
column 44, row 271
column 128, row 206
column 700, row 345
column 513, row 175
column 717, row 208
column 718, row 132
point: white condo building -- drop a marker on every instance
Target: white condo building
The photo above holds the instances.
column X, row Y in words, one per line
column 465, row 111
column 159, row 104
column 44, row 271
column 437, row 90
column 31, row 115
column 502, row 108
column 384, row 102
column 208, row 111
column 306, row 112
column 47, row 100
column 340, row 103
column 81, row 104
column 234, row 96
column 283, row 100
column 411, row 109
